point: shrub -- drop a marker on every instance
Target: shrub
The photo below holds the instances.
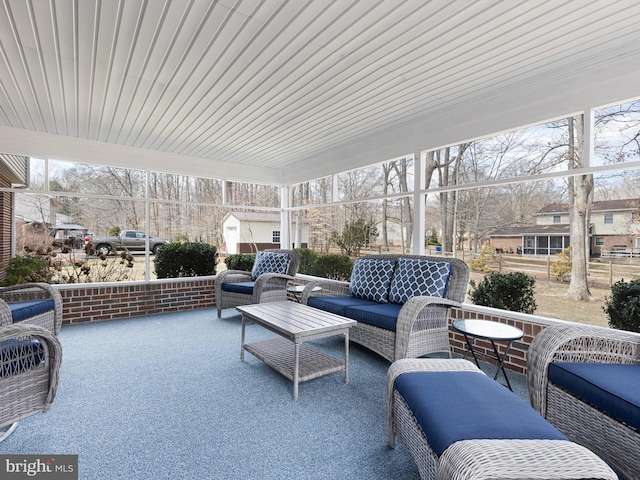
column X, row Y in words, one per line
column 561, row 268
column 240, row 261
column 335, row 267
column 189, row 259
column 483, row 261
column 308, row 259
column 26, row 270
column 623, row 306
column 508, row 291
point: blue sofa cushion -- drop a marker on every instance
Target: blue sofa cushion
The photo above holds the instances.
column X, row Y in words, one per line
column 612, row 388
column 383, row 315
column 337, row 305
column 245, row 288
column 418, row 277
column 270, row 262
column 23, row 310
column 455, row 406
column 371, row 279
column 18, row 356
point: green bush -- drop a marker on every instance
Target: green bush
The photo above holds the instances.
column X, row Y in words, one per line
column 335, row 267
column 26, row 270
column 561, row 268
column 623, row 306
column 190, row 259
column 508, row 291
column 308, row 259
column 240, row 261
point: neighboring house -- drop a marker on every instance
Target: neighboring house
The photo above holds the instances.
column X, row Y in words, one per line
column 614, row 230
column 14, row 171
column 249, row 232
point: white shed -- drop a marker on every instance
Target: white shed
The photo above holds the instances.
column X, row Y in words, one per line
column 249, row 232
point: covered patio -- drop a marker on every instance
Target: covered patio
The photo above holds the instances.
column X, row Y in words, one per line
column 273, row 93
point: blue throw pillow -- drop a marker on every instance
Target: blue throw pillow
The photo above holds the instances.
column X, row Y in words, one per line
column 417, row 277
column 270, row 262
column 371, row 279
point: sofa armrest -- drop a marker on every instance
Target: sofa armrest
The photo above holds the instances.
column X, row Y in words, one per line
column 328, row 288
column 421, row 314
column 233, row 276
column 575, row 343
column 32, row 291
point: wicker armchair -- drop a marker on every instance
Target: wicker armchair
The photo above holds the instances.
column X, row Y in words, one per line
column 47, row 315
column 30, row 358
column 267, row 287
column 423, row 323
column 608, row 437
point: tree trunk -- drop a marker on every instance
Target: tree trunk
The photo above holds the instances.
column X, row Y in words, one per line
column 580, row 198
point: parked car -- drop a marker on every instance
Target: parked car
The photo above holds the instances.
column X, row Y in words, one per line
column 131, row 240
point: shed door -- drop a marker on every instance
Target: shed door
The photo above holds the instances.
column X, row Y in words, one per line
column 231, row 239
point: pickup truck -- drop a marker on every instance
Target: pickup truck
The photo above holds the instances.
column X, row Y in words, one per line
column 130, row 240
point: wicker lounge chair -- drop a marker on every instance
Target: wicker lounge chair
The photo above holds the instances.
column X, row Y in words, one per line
column 31, row 303
column 422, row 324
column 267, row 282
column 596, row 427
column 30, row 358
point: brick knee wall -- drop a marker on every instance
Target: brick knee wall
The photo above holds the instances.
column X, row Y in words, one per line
column 92, row 303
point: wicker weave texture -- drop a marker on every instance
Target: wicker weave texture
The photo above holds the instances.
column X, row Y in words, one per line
column 26, row 391
column 423, row 322
column 269, row 287
column 521, row 459
column 613, row 440
column 51, row 320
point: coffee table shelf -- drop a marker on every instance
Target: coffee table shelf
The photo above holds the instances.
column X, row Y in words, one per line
column 279, row 354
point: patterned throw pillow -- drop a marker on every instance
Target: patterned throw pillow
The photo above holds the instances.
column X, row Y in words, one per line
column 270, row 262
column 415, row 277
column 371, row 278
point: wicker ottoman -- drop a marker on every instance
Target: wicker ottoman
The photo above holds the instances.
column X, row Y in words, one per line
column 531, row 448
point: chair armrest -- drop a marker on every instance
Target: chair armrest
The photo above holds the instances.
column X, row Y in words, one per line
column 268, row 282
column 329, row 288
column 52, row 347
column 421, row 314
column 575, row 343
column 33, row 291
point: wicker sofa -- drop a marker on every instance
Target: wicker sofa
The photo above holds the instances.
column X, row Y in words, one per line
column 458, row 423
column 401, row 302
column 266, row 282
column 585, row 380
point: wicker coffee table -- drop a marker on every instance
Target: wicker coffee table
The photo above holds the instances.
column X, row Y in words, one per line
column 296, row 324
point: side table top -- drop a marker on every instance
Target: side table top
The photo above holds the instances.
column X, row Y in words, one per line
column 487, row 329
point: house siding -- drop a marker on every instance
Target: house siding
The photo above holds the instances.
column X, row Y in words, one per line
column 6, row 200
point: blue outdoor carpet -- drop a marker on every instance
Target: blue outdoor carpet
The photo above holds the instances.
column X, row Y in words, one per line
column 167, row 397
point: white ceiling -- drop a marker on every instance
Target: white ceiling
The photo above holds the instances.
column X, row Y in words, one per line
column 281, row 91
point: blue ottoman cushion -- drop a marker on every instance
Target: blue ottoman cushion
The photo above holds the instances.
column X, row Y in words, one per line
column 612, row 388
column 23, row 310
column 455, row 406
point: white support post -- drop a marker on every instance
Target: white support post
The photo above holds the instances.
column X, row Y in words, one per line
column 285, row 217
column 419, row 162
column 588, row 152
